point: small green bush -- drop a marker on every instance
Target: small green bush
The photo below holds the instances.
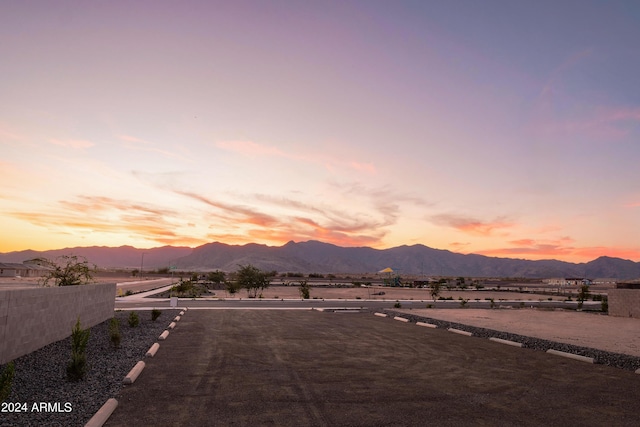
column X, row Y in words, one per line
column 6, row 379
column 604, row 305
column 155, row 313
column 134, row 320
column 397, row 305
column 114, row 332
column 77, row 367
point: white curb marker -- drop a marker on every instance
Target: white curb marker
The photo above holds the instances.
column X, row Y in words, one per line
column 461, row 332
column 507, row 342
column 133, row 373
column 103, row 413
column 380, row 314
column 401, row 319
column 426, row 325
column 152, row 350
column 571, row 356
column 163, row 336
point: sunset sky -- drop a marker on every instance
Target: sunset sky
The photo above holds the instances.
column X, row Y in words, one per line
column 504, row 128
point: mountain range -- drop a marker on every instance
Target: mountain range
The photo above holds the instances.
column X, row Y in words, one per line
column 319, row 257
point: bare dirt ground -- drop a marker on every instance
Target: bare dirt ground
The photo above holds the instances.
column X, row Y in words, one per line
column 614, row 334
column 292, row 368
column 390, row 294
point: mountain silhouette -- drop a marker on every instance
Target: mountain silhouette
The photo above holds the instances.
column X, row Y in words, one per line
column 318, row 257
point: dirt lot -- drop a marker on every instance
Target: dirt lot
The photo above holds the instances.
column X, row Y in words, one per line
column 390, row 294
column 291, row 368
column 613, row 334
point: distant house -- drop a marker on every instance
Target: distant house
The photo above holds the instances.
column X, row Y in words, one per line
column 568, row 281
column 26, row 269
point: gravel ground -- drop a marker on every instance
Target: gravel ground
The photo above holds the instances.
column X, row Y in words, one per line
column 617, row 360
column 40, row 377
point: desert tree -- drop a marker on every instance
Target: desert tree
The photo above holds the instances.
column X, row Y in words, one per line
column 252, row 279
column 435, row 289
column 216, row 276
column 583, row 294
column 68, row 270
column 304, row 289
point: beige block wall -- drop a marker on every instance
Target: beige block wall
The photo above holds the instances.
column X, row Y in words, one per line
column 624, row 302
column 33, row 318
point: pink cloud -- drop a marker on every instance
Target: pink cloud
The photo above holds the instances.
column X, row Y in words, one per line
column 72, row 143
column 130, row 138
column 253, row 149
column 471, row 225
column 363, row 167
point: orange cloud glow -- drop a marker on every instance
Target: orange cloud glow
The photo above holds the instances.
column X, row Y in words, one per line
column 471, row 225
column 562, row 247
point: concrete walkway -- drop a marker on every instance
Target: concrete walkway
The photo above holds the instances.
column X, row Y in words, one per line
column 294, row 368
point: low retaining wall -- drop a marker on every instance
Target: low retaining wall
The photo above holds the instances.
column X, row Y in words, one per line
column 624, row 302
column 33, row 318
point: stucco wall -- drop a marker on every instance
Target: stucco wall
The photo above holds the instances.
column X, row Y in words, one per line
column 624, row 302
column 33, row 318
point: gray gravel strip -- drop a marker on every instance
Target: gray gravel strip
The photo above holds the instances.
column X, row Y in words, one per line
column 44, row 396
column 617, row 360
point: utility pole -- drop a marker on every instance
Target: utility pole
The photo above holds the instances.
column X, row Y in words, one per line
column 142, row 264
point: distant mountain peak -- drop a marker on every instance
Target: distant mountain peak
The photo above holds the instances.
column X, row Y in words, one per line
column 314, row 256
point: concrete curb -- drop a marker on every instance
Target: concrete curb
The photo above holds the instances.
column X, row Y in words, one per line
column 176, row 319
column 507, row 342
column 152, row 350
column 401, row 319
column 637, row 371
column 572, row 356
column 426, row 325
column 171, row 325
column 103, row 413
column 380, row 314
column 163, row 336
column 134, row 373
column 460, row 332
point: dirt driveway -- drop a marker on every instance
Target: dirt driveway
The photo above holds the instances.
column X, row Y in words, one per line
column 307, row 368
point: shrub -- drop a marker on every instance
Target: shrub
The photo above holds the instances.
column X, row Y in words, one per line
column 77, row 367
column 114, row 332
column 6, row 379
column 463, row 303
column 134, row 320
column 304, row 289
column 155, row 313
column 604, row 305
column 397, row 305
column 129, row 292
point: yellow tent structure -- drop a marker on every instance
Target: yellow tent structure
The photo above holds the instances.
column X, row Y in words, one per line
column 386, row 270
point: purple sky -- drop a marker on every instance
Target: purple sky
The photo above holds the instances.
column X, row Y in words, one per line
column 497, row 127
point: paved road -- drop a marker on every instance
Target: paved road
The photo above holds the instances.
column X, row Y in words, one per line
column 308, row 368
